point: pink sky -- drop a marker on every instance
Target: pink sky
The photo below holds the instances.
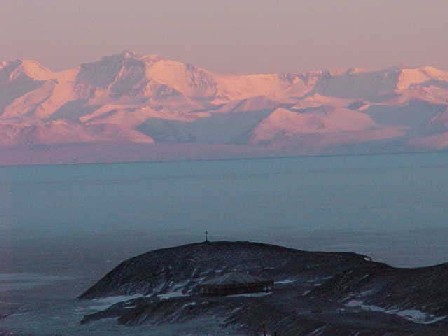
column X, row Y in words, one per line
column 230, row 35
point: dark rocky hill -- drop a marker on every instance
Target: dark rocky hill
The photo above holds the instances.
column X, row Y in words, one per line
column 162, row 271
column 315, row 293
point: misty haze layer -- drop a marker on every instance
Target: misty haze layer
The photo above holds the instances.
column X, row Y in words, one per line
column 231, row 36
column 390, row 207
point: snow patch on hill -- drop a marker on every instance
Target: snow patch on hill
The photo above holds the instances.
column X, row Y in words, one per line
column 413, row 315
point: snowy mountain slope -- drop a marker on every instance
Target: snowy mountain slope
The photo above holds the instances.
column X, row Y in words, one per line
column 152, row 99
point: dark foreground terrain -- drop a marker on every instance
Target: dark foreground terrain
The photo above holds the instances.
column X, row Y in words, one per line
column 320, row 294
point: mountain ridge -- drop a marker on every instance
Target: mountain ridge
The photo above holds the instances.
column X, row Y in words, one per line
column 127, row 98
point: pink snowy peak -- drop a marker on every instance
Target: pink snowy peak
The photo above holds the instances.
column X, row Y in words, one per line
column 132, row 99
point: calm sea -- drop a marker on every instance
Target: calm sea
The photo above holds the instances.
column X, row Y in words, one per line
column 78, row 221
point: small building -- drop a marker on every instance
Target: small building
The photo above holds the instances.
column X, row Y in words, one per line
column 235, row 283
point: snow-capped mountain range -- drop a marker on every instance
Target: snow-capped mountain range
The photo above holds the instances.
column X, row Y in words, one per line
column 167, row 106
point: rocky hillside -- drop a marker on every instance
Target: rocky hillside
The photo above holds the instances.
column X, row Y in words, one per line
column 391, row 290
column 315, row 293
column 128, row 99
column 162, row 271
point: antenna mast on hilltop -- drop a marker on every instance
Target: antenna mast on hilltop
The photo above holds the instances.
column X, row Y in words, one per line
column 206, row 236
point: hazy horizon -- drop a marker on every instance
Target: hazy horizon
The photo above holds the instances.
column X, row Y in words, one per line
column 241, row 37
column 242, row 72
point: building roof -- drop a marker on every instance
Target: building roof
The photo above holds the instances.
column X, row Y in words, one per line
column 233, row 278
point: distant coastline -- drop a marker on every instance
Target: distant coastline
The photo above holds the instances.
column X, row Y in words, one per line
column 25, row 156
